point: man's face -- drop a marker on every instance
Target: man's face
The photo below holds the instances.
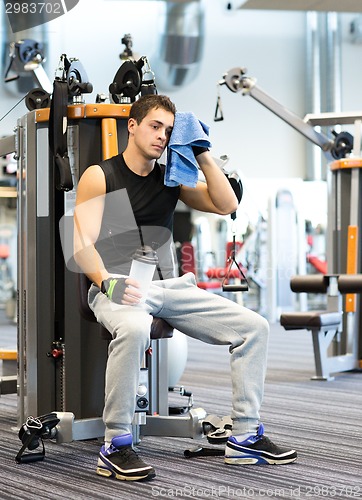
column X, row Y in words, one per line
column 151, row 136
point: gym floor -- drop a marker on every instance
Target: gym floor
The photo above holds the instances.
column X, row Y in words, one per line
column 321, row 420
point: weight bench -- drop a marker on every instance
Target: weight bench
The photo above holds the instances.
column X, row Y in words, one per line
column 151, row 409
column 326, row 326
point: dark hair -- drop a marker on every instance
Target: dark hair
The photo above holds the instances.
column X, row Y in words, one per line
column 144, row 104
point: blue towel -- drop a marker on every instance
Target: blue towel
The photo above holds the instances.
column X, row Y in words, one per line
column 181, row 165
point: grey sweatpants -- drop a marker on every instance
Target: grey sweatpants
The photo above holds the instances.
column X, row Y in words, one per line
column 198, row 314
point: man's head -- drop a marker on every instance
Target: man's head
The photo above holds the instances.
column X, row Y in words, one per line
column 152, row 101
column 150, row 124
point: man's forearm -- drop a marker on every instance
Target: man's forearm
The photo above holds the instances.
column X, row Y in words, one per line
column 90, row 262
column 220, row 191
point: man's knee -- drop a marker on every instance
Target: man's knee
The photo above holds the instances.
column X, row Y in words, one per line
column 260, row 326
column 263, row 326
column 133, row 329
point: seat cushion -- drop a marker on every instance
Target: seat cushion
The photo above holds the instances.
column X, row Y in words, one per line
column 160, row 329
column 309, row 319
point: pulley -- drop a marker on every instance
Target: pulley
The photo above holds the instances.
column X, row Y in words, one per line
column 77, row 79
column 37, row 99
column 24, row 55
column 343, row 145
column 127, row 82
column 234, row 79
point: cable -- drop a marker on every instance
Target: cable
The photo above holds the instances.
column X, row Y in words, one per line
column 6, row 114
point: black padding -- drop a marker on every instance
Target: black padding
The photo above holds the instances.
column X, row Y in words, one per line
column 310, row 319
column 160, row 329
column 350, row 283
column 58, row 136
column 310, row 283
column 84, row 284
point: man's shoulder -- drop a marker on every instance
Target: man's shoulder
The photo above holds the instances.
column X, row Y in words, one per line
column 91, row 184
column 113, row 162
column 94, row 170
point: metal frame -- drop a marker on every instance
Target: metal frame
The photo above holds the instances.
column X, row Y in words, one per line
column 325, row 364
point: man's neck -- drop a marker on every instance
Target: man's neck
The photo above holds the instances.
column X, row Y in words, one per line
column 138, row 163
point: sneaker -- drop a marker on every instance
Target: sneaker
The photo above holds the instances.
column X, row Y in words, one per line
column 122, row 462
column 257, row 449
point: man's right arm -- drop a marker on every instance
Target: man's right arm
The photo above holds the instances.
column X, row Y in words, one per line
column 88, row 214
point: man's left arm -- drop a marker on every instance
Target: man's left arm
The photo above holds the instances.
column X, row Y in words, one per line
column 215, row 195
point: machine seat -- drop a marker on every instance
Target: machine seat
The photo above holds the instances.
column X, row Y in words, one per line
column 310, row 319
column 160, row 329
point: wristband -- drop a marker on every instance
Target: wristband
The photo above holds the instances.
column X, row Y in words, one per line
column 197, row 150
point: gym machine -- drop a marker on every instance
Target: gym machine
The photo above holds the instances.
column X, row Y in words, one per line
column 69, row 349
column 336, row 332
column 61, row 352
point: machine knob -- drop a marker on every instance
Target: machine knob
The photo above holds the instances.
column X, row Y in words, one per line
column 142, row 390
column 56, row 353
column 142, row 403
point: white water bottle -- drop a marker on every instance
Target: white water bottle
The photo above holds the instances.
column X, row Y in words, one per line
column 143, row 269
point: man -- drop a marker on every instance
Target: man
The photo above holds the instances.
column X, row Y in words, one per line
column 115, row 298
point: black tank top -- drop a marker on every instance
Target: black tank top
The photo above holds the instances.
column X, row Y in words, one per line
column 138, row 210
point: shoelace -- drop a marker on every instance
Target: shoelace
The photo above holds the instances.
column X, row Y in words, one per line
column 128, row 454
column 265, row 443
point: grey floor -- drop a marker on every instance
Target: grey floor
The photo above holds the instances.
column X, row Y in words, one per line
column 321, row 420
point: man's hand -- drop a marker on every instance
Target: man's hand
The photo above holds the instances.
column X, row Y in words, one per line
column 121, row 290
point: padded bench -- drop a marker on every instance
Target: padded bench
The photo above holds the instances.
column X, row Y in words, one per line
column 324, row 325
column 310, row 319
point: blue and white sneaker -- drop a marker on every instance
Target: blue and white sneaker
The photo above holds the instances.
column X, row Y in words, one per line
column 257, row 449
column 122, row 462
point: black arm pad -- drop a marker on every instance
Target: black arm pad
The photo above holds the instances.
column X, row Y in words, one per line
column 309, row 283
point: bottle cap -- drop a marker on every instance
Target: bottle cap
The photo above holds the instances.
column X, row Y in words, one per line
column 146, row 255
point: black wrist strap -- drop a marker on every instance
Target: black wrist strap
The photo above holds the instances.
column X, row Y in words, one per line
column 197, row 150
column 103, row 286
